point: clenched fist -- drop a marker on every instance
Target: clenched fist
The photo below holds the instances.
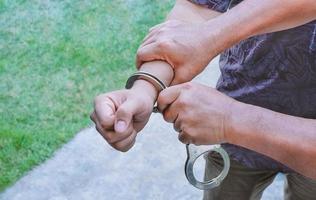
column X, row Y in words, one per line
column 120, row 115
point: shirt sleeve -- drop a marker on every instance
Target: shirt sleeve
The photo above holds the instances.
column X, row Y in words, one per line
column 217, row 5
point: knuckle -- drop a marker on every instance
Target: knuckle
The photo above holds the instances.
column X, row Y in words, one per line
column 139, row 53
column 123, row 111
column 119, row 146
column 167, row 116
column 98, row 99
column 161, row 98
column 139, row 60
column 182, row 102
column 104, row 124
column 164, row 44
column 182, row 138
column 162, row 30
column 180, row 78
column 176, row 127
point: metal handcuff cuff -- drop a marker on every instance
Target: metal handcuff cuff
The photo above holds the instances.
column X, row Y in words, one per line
column 193, row 151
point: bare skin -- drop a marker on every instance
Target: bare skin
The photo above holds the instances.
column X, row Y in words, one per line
column 189, row 47
column 120, row 115
column 291, row 140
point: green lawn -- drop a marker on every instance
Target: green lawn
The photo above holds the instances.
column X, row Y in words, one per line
column 55, row 56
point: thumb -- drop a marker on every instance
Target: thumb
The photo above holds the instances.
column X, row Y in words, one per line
column 168, row 96
column 124, row 115
column 148, row 53
column 182, row 75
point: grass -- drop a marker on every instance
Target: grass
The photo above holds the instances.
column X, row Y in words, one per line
column 55, row 56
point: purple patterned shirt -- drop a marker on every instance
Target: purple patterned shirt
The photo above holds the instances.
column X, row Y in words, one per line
column 276, row 71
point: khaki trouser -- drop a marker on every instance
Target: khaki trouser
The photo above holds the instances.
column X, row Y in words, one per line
column 244, row 183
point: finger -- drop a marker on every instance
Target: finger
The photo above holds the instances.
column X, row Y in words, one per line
column 152, row 32
column 164, row 24
column 183, row 137
column 113, row 137
column 104, row 112
column 182, row 75
column 148, row 53
column 170, row 114
column 158, row 26
column 96, row 122
column 168, row 96
column 124, row 115
column 148, row 41
column 126, row 144
column 109, row 135
column 99, row 130
column 93, row 117
column 177, row 124
column 150, row 37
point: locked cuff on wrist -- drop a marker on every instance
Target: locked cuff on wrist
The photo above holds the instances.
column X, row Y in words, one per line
column 157, row 83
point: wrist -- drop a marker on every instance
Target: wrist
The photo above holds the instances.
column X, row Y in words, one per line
column 146, row 89
column 221, row 33
column 237, row 122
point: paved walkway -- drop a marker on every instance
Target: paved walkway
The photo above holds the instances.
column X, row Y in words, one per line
column 87, row 168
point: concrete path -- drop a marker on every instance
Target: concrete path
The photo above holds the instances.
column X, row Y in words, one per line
column 88, row 168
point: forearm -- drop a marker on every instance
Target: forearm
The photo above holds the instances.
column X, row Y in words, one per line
column 288, row 139
column 186, row 11
column 253, row 17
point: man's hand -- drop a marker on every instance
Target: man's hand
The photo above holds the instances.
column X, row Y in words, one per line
column 183, row 45
column 200, row 114
column 120, row 115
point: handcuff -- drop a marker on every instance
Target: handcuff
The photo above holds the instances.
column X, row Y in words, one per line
column 193, row 151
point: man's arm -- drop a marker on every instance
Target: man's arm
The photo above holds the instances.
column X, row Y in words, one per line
column 186, row 11
column 188, row 48
column 221, row 119
column 288, row 139
column 254, row 17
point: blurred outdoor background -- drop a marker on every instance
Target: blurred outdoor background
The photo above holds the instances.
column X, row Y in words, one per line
column 55, row 56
